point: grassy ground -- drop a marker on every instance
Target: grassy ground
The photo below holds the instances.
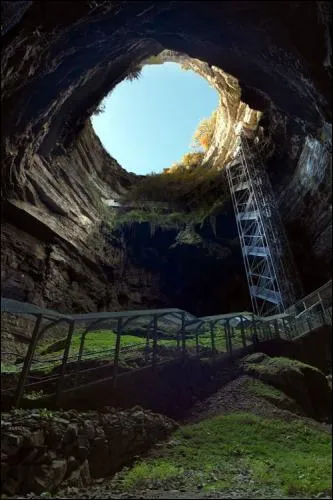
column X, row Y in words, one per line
column 239, row 453
column 97, row 345
column 100, row 345
column 274, row 366
column 273, row 395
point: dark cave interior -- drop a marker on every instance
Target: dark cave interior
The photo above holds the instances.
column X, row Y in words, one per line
column 60, row 58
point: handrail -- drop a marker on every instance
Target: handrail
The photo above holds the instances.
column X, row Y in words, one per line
column 253, row 330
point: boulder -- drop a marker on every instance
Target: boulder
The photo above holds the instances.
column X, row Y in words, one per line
column 305, row 384
column 39, row 453
column 44, row 477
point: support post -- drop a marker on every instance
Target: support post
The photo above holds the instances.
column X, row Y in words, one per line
column 270, row 335
column 83, row 338
column 64, row 361
column 28, row 361
column 154, row 343
column 230, row 331
column 183, row 337
column 117, row 352
column 225, row 326
column 324, row 316
column 147, row 346
column 286, row 330
column 212, row 336
column 309, row 321
column 227, row 336
column 254, row 333
column 178, row 340
column 243, row 333
column 197, row 350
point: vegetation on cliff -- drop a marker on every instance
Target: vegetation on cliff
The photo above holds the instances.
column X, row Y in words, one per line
column 183, row 195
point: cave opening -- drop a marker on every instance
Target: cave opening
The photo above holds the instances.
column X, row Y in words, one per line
column 147, row 121
column 58, row 64
column 171, row 220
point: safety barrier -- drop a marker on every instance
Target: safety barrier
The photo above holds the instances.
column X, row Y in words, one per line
column 140, row 339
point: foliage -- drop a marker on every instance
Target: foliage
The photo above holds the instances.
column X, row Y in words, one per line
column 8, row 368
column 99, row 110
column 34, row 394
column 98, row 345
column 205, row 131
column 179, row 200
column 187, row 236
column 188, row 162
column 250, row 454
column 187, row 190
column 260, row 389
column 276, row 365
column 45, row 412
column 134, row 73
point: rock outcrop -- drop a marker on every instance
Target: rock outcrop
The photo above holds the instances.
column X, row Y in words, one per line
column 304, row 383
column 42, row 450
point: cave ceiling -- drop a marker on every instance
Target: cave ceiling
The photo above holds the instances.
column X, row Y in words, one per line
column 60, row 58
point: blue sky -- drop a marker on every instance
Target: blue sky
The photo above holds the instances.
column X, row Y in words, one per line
column 148, row 124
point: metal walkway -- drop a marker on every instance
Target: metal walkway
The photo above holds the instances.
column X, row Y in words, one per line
column 169, row 334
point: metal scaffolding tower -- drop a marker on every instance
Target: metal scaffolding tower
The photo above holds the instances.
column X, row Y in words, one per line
column 270, row 270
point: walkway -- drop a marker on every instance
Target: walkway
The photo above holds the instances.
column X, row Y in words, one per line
column 167, row 334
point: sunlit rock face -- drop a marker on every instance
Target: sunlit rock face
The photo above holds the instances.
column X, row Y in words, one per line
column 306, row 206
column 231, row 114
column 58, row 62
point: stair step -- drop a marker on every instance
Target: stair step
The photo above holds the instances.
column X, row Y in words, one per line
column 248, row 215
column 256, row 251
column 241, row 186
column 265, row 294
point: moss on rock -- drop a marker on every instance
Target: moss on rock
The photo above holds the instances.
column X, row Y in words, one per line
column 275, row 396
column 305, row 384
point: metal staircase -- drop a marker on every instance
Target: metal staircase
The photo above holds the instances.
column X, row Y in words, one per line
column 267, row 258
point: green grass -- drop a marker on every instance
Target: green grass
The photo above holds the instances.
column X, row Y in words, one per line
column 278, row 365
column 242, row 452
column 98, row 345
column 220, row 341
column 95, row 342
column 9, row 368
column 263, row 390
column 273, row 395
column 192, row 196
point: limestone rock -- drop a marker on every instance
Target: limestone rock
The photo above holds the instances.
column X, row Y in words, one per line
column 77, row 446
column 306, row 384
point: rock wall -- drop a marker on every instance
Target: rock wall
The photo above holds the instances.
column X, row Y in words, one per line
column 232, row 112
column 59, row 60
column 41, row 450
column 305, row 201
column 51, row 235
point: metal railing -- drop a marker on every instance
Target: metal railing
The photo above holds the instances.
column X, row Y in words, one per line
column 208, row 337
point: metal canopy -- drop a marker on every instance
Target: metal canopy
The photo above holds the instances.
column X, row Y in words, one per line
column 169, row 317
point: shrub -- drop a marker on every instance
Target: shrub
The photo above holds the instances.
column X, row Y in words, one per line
column 134, row 74
column 205, row 131
column 99, row 110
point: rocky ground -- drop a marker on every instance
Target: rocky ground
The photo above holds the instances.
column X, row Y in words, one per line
column 41, row 449
column 75, row 449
